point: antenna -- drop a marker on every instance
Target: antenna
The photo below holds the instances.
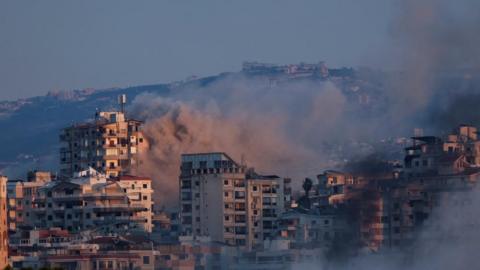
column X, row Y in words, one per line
column 122, row 100
column 242, row 161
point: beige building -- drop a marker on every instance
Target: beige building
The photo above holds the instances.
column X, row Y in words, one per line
column 91, row 201
column 21, row 195
column 3, row 223
column 223, row 200
column 139, row 191
column 110, row 144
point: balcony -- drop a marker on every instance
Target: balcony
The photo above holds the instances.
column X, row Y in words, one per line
column 118, row 208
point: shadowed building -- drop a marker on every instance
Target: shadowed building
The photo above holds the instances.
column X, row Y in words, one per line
column 3, row 223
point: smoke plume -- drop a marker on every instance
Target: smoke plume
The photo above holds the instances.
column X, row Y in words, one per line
column 276, row 130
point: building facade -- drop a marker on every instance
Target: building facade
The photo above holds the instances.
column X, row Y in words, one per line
column 139, row 191
column 223, row 200
column 3, row 223
column 21, row 195
column 110, row 144
column 89, row 201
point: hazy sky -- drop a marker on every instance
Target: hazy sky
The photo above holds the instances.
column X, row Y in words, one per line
column 53, row 45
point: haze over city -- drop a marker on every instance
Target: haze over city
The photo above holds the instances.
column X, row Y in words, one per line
column 333, row 135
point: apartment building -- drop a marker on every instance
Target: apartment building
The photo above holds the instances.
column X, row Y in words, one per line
column 431, row 155
column 268, row 196
column 55, row 248
column 21, row 195
column 310, row 229
column 3, row 223
column 111, row 144
column 139, row 191
column 91, row 201
column 223, row 200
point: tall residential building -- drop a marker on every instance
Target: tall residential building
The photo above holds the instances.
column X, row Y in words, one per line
column 223, row 200
column 3, row 223
column 111, row 144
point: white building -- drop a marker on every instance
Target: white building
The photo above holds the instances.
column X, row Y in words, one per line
column 89, row 201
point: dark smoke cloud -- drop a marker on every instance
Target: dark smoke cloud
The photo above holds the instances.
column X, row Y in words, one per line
column 448, row 240
column 438, row 47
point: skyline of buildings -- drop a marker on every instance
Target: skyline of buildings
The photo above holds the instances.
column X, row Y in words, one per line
column 100, row 213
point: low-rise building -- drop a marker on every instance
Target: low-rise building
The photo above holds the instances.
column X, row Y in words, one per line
column 21, row 195
column 89, row 201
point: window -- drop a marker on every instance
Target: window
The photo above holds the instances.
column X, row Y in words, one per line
column 145, row 198
column 239, row 194
column 225, row 182
column 146, row 260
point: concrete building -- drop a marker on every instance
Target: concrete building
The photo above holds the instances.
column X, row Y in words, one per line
column 139, row 191
column 56, row 248
column 110, row 144
column 91, row 201
column 3, row 223
column 456, row 153
column 313, row 229
column 21, row 195
column 223, row 200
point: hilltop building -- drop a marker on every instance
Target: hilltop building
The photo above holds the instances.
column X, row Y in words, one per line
column 292, row 70
column 110, row 144
column 225, row 201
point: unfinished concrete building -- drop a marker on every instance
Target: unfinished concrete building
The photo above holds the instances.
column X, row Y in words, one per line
column 111, row 144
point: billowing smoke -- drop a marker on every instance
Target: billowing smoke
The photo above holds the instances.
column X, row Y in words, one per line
column 275, row 129
column 298, row 127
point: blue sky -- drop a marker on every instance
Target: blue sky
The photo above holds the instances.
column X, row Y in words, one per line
column 54, row 45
